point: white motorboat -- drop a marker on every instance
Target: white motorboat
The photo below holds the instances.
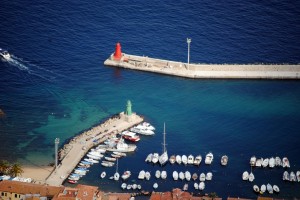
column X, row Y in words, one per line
column 146, row 125
column 252, row 161
column 298, row 176
column 134, row 186
column 175, row 175
column 130, row 136
column 98, row 149
column 122, row 154
column 265, row 162
column 245, row 176
column 163, row 174
column 286, row 176
column 255, row 188
column 107, row 164
column 155, row 185
column 93, row 157
column 172, row 159
column 202, row 177
column 185, row 187
column 178, row 159
column 147, row 176
column 190, row 159
column 194, row 176
column 82, row 173
column 5, row 55
column 270, row 188
column 163, row 158
column 187, row 175
column 122, row 147
column 142, row 175
column 155, row 158
column 95, row 153
column 181, row 175
column 224, row 160
column 139, row 186
column 197, row 160
column 272, row 162
column 292, row 177
column 128, row 187
column 251, row 177
column 201, row 186
column 126, row 175
column 259, row 162
column 149, row 157
column 123, row 186
column 276, row 188
column 103, row 174
column 285, row 162
column 196, row 186
column 209, row 158
column 209, row 176
column 184, row 159
column 110, row 159
column 157, row 174
column 263, row 188
column 91, row 160
column 142, row 131
column 278, row 161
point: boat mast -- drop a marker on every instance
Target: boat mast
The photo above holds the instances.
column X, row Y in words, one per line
column 164, row 138
column 117, row 166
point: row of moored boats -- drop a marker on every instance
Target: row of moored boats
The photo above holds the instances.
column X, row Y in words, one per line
column 263, row 188
column 270, row 162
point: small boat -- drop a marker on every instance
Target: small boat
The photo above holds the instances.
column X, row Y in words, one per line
column 122, row 154
column 194, row 176
column 123, row 186
column 196, row 186
column 178, row 159
column 149, row 158
column 209, row 158
column 155, row 185
column 251, row 177
column 185, row 187
column 202, row 177
column 175, row 175
column 172, row 159
column 201, row 186
column 184, row 159
column 147, row 125
column 142, row 175
column 259, row 162
column 130, row 136
column 252, row 161
column 110, row 159
column 142, row 131
column 265, row 162
column 245, row 176
column 163, row 174
column 103, row 174
column 163, row 158
column 93, row 157
column 278, row 161
column 285, row 162
column 115, row 156
column 286, row 176
column 197, row 160
column 126, row 175
column 98, row 149
column 139, row 186
column 107, row 163
column 255, row 188
column 116, row 175
column 187, row 175
column 262, row 189
column 122, row 146
column 224, row 160
column 155, row 158
column 5, row 55
column 91, row 160
column 190, row 159
column 270, row 188
column 272, row 162
column 128, row 187
column 72, row 181
column 157, row 174
column 276, row 188
column 292, row 177
column 95, row 153
column 208, row 176
column 298, row 176
column 147, row 175
column 181, row 175
column 80, row 172
column 134, row 186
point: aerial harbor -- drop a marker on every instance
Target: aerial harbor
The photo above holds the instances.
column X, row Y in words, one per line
column 149, row 100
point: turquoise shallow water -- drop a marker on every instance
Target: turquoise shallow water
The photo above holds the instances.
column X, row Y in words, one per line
column 57, row 85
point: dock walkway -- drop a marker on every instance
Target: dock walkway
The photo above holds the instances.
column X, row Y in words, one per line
column 78, row 147
column 200, row 71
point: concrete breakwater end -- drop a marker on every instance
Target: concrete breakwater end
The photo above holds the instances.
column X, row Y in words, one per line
column 202, row 71
column 78, row 147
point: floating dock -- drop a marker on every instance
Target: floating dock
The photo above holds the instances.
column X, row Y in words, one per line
column 203, row 71
column 78, row 147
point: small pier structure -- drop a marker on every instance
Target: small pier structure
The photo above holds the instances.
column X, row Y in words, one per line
column 202, row 71
column 73, row 152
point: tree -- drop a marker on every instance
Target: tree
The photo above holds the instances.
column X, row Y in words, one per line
column 15, row 170
column 213, row 195
column 4, row 166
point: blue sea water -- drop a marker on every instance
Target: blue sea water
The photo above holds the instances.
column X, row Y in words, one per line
column 57, row 86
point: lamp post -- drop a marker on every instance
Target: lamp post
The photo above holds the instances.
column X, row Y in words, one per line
column 56, row 141
column 188, row 40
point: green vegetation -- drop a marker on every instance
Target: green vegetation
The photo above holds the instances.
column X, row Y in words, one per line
column 10, row 169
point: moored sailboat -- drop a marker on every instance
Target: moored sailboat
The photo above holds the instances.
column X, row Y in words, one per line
column 164, row 156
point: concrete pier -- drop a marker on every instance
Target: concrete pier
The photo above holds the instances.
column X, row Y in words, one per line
column 80, row 145
column 202, row 71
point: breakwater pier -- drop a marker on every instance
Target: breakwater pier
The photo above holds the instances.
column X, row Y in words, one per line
column 77, row 148
column 201, row 71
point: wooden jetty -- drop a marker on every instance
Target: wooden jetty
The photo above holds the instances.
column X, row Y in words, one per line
column 79, row 146
column 202, row 71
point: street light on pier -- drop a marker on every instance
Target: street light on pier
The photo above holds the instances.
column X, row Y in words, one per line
column 56, row 141
column 188, row 40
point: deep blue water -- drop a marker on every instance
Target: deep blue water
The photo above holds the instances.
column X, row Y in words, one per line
column 57, row 85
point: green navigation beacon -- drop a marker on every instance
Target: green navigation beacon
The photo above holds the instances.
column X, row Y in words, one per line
column 128, row 111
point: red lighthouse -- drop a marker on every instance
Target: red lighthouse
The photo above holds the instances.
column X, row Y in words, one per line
column 118, row 52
